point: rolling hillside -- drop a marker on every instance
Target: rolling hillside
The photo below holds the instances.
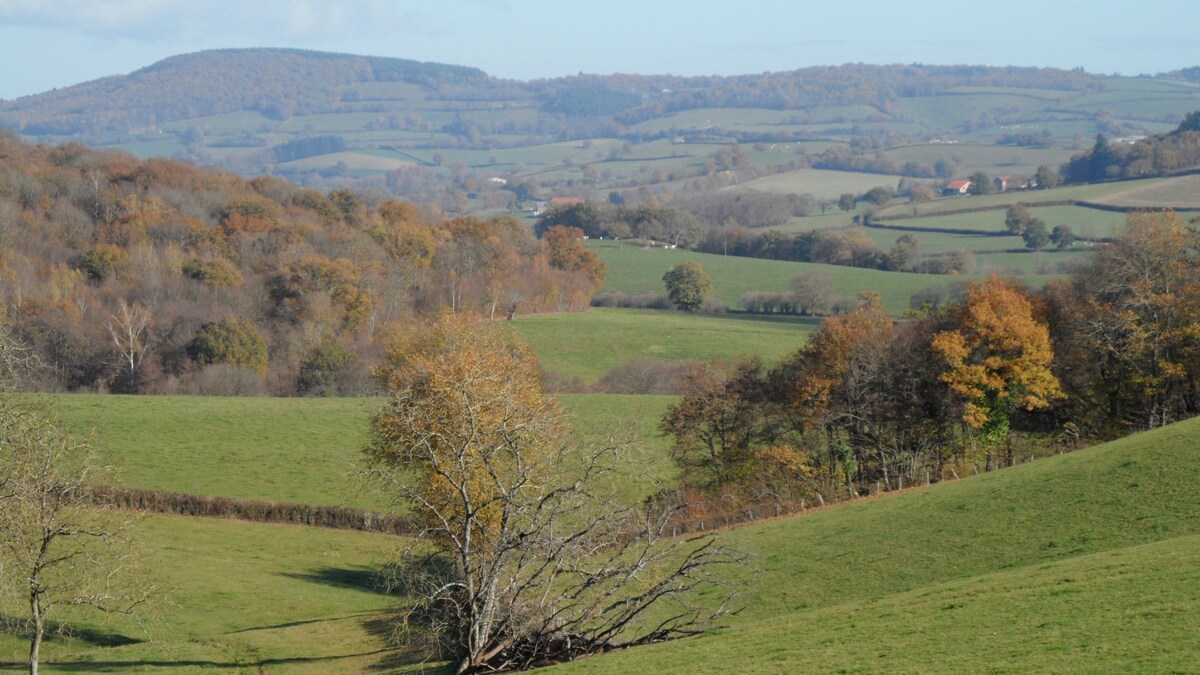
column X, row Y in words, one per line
column 441, row 133
column 1085, row 561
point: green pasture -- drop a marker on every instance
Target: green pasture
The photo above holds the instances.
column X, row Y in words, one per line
column 704, row 118
column 995, row 160
column 1003, row 200
column 820, row 183
column 240, row 597
column 302, row 450
column 1037, row 263
column 588, row 344
column 1182, row 192
column 633, row 269
column 832, row 219
column 1082, row 220
column 1081, row 562
column 165, row 147
column 225, row 123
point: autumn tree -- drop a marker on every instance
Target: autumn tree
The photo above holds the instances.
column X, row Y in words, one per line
column 1136, row 314
column 813, row 291
column 998, row 358
column 567, row 253
column 524, row 556
column 231, row 341
column 688, row 285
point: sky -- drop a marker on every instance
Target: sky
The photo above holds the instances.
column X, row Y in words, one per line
column 45, row 44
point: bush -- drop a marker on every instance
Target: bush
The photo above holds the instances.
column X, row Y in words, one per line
column 644, row 376
column 231, row 341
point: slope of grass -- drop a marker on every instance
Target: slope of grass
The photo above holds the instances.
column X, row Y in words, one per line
column 820, row 183
column 238, row 595
column 1052, row 564
column 280, row 449
column 1006, row 199
column 633, row 270
column 588, row 344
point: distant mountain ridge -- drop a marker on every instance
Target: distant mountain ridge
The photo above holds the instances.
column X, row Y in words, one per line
column 280, row 83
column 276, row 82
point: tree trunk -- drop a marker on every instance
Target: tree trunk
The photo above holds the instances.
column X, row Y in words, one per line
column 39, row 630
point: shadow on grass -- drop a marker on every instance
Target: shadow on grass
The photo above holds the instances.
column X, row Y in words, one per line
column 111, row 666
column 56, row 631
column 354, row 578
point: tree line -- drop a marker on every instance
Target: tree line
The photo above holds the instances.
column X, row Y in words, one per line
column 1000, row 374
column 1153, row 156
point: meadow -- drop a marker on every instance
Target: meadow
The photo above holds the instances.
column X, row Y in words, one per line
column 299, row 450
column 240, row 596
column 932, row 579
column 633, row 270
column 588, row 344
column 1102, row 575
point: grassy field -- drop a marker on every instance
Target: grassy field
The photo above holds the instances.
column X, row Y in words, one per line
column 1179, row 193
column 633, row 270
column 995, row 160
column 588, row 344
column 240, row 596
column 1006, row 199
column 277, row 449
column 1082, row 562
column 820, row 183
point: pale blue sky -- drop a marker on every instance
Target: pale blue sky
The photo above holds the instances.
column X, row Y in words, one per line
column 54, row 43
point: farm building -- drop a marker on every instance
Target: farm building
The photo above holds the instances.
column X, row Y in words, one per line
column 957, row 187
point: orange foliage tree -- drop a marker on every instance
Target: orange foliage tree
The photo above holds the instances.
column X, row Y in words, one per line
column 532, row 559
column 998, row 357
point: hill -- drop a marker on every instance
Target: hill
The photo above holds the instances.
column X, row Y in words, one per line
column 454, row 136
column 1074, row 562
column 1082, row 561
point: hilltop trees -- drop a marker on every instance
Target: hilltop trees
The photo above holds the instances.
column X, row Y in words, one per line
column 525, row 556
column 119, row 271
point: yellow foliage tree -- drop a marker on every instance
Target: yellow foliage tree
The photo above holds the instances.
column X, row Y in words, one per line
column 998, row 358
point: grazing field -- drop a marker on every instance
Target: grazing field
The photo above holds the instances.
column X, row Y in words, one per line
column 633, row 270
column 1176, row 193
column 1083, row 560
column 820, row 183
column 1005, row 199
column 279, row 449
column 995, row 160
column 242, row 596
column 588, row 344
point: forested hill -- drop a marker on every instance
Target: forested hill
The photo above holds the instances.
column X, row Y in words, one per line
column 280, row 83
column 277, row 82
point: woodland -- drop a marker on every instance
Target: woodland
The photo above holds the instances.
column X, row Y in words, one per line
column 157, row 276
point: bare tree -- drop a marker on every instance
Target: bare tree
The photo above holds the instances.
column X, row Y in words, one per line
column 127, row 328
column 525, row 557
column 56, row 548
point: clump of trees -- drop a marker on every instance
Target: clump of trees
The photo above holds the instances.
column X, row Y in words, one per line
column 525, row 556
column 1153, row 156
column 966, row 383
